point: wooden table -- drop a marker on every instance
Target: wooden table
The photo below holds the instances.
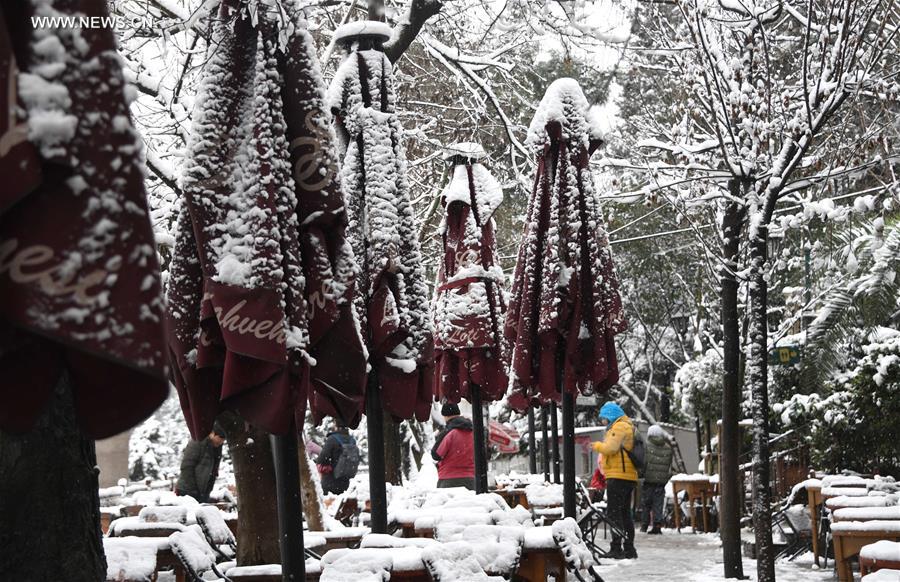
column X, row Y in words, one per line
column 701, row 489
column 814, row 503
column 848, row 543
column 540, row 564
column 513, row 497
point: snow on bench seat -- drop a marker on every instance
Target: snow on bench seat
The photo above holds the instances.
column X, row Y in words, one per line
column 539, row 538
column 843, row 501
column 844, row 481
column 267, row 571
column 369, row 565
column 866, row 513
column 517, row 516
column 135, row 526
column 885, row 575
column 164, row 513
column 455, row 562
column 389, row 541
column 131, row 559
column 498, row 549
column 874, row 525
column 845, row 492
column 881, row 550
column 544, row 494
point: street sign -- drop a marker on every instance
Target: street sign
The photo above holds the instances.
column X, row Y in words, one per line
column 585, row 401
column 784, row 356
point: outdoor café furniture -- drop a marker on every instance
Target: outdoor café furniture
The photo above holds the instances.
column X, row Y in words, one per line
column 814, row 503
column 397, row 563
column 164, row 514
column 881, row 555
column 270, row 572
column 195, row 556
column 342, row 538
column 455, row 562
column 541, row 556
column 514, row 496
column 545, row 501
column 843, row 501
column 135, row 526
column 130, row 559
column 108, row 515
column 883, row 575
column 850, row 536
column 498, row 549
column 698, row 488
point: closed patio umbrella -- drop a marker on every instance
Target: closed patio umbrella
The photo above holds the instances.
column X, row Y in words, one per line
column 565, row 307
column 392, row 298
column 79, row 278
column 468, row 302
column 262, row 278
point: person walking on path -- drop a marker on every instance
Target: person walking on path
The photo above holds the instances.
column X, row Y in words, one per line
column 338, row 460
column 454, row 450
column 657, row 472
column 621, row 476
column 200, row 465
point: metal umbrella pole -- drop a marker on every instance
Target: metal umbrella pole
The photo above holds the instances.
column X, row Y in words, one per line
column 375, row 433
column 481, row 480
column 532, row 446
column 554, row 443
column 545, row 444
column 290, row 506
column 568, row 454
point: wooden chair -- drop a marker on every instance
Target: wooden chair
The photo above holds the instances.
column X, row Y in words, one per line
column 579, row 560
column 850, row 537
column 217, row 533
column 879, row 556
column 701, row 490
column 195, row 556
column 130, row 559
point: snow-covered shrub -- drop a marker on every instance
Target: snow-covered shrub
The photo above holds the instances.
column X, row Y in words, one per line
column 698, row 386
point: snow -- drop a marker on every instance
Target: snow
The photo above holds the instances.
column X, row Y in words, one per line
column 881, row 550
column 844, row 491
column 497, row 548
column 884, row 575
column 874, row 525
column 567, row 536
column 468, row 150
column 866, row 513
column 165, row 513
column 877, row 501
column 213, row 523
column 193, row 551
column 130, row 558
column 389, row 541
column 344, row 565
column 563, row 103
column 352, row 30
column 454, row 562
column 544, row 494
column 539, row 538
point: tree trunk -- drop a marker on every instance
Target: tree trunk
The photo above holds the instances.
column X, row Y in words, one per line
column 49, row 503
column 730, row 483
column 757, row 372
column 393, row 450
column 376, row 10
column 310, row 492
column 254, row 474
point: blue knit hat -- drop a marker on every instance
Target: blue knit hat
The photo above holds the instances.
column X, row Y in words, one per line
column 611, row 412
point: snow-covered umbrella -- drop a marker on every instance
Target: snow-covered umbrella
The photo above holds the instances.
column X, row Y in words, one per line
column 392, row 297
column 468, row 301
column 565, row 307
column 79, row 278
column 262, row 277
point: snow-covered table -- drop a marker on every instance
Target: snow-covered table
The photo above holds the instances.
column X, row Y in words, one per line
column 514, row 496
column 851, row 536
column 541, row 557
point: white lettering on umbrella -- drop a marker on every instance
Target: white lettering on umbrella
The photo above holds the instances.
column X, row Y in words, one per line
column 37, row 264
column 309, row 166
column 231, row 320
column 16, row 133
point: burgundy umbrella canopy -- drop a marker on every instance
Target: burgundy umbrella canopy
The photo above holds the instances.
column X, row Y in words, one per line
column 79, row 279
column 565, row 307
column 392, row 300
column 468, row 302
column 261, row 280
column 392, row 297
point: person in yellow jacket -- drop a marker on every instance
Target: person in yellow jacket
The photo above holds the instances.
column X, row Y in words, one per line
column 621, row 476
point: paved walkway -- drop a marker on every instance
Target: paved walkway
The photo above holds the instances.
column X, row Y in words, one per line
column 688, row 557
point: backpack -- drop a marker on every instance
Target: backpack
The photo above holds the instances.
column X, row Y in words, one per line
column 348, row 461
column 638, row 454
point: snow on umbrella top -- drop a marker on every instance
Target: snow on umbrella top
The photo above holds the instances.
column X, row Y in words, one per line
column 262, row 276
column 392, row 300
column 565, row 307
column 468, row 302
column 78, row 271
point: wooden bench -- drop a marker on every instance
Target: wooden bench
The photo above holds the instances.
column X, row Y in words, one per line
column 851, row 536
column 514, row 497
column 878, row 556
column 540, row 564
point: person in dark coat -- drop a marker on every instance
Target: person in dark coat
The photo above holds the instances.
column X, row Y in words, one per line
column 328, row 459
column 200, row 465
column 657, row 472
column 454, row 450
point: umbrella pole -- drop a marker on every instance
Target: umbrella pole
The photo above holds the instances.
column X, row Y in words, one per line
column 290, row 506
column 532, row 446
column 568, row 421
column 481, row 480
column 545, row 444
column 375, row 432
column 554, row 442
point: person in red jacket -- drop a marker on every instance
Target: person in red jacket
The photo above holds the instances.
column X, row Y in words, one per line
column 454, row 450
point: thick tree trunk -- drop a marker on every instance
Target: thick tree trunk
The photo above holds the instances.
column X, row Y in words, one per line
column 254, row 473
column 759, row 388
column 730, row 483
column 49, row 503
column 310, row 492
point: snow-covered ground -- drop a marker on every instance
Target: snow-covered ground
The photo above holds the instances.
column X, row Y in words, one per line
column 689, row 557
